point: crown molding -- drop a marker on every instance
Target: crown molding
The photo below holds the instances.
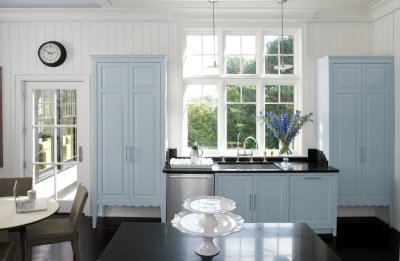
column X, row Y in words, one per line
column 81, row 14
column 384, row 8
column 203, row 12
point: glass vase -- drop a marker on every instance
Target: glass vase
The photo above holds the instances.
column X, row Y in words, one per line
column 284, row 150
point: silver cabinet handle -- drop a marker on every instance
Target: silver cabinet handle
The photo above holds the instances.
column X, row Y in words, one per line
column 131, row 150
column 126, row 153
column 363, row 154
column 80, row 154
column 250, row 202
column 313, row 178
column 254, row 202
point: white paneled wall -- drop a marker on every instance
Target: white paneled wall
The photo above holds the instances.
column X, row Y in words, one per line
column 387, row 42
column 333, row 38
column 19, row 42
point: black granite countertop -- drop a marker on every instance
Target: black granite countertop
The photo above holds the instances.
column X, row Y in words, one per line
column 261, row 241
column 315, row 162
column 301, row 167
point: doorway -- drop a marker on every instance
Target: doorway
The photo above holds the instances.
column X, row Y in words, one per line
column 56, row 128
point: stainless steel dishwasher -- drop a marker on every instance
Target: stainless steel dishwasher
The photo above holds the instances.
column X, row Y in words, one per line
column 183, row 186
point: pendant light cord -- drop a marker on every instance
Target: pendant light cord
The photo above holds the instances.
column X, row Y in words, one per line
column 215, row 62
column 282, row 32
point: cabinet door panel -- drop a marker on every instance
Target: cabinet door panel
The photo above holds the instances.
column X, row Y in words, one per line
column 146, row 140
column 346, row 126
column 237, row 188
column 145, row 130
column 312, row 200
column 270, row 199
column 376, row 133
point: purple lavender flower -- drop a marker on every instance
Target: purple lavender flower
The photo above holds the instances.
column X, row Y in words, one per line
column 285, row 128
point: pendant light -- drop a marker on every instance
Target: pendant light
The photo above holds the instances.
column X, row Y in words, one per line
column 282, row 66
column 214, row 65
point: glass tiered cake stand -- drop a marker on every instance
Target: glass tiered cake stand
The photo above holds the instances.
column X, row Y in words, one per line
column 208, row 217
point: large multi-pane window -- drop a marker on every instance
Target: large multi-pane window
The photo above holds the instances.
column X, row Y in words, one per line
column 220, row 109
column 201, row 110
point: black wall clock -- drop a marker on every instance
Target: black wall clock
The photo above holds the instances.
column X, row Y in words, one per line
column 52, row 53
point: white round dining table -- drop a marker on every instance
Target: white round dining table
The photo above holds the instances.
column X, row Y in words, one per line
column 9, row 218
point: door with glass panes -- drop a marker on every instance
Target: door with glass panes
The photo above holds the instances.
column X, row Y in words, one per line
column 56, row 130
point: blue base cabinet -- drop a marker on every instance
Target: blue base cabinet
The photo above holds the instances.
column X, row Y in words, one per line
column 313, row 200
column 290, row 197
column 128, row 132
column 259, row 199
column 355, row 105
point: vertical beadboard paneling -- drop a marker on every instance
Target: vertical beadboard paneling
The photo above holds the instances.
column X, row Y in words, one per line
column 40, row 38
column 85, row 45
column 94, row 38
column 349, row 39
column 357, row 43
column 317, row 40
column 146, row 36
column 76, row 47
column 129, row 40
column 164, row 38
column 23, row 46
column 59, row 37
column 32, row 58
column 333, row 39
column 49, row 36
column 155, row 37
column 111, row 38
column 120, row 36
column 366, row 39
column 342, row 39
column 68, row 43
column 102, row 38
column 137, row 33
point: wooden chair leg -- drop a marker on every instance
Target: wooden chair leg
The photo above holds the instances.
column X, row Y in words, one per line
column 22, row 240
column 28, row 252
column 75, row 249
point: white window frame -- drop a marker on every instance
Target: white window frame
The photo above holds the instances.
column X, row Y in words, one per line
column 260, row 79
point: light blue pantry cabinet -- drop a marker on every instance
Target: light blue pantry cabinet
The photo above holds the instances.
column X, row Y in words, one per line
column 128, row 130
column 355, row 126
column 259, row 198
column 289, row 197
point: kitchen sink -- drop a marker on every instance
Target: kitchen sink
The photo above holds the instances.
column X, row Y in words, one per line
column 267, row 166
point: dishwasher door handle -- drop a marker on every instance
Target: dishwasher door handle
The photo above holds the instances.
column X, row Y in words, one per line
column 197, row 176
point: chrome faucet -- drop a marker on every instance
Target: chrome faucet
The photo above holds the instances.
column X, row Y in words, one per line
column 251, row 150
column 244, row 148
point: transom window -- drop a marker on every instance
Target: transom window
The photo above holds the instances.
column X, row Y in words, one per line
column 221, row 104
column 240, row 52
column 199, row 55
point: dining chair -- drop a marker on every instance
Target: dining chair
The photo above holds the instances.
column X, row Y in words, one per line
column 7, row 185
column 6, row 190
column 7, row 251
column 56, row 230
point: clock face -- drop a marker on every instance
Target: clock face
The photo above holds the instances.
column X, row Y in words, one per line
column 52, row 53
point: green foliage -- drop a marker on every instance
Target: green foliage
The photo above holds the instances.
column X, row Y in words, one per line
column 202, row 125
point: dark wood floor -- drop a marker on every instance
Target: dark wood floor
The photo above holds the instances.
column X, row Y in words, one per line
column 358, row 239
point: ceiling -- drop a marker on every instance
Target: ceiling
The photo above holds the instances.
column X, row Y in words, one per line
column 294, row 9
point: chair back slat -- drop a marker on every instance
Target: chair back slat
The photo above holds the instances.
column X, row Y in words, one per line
column 77, row 206
column 7, row 185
